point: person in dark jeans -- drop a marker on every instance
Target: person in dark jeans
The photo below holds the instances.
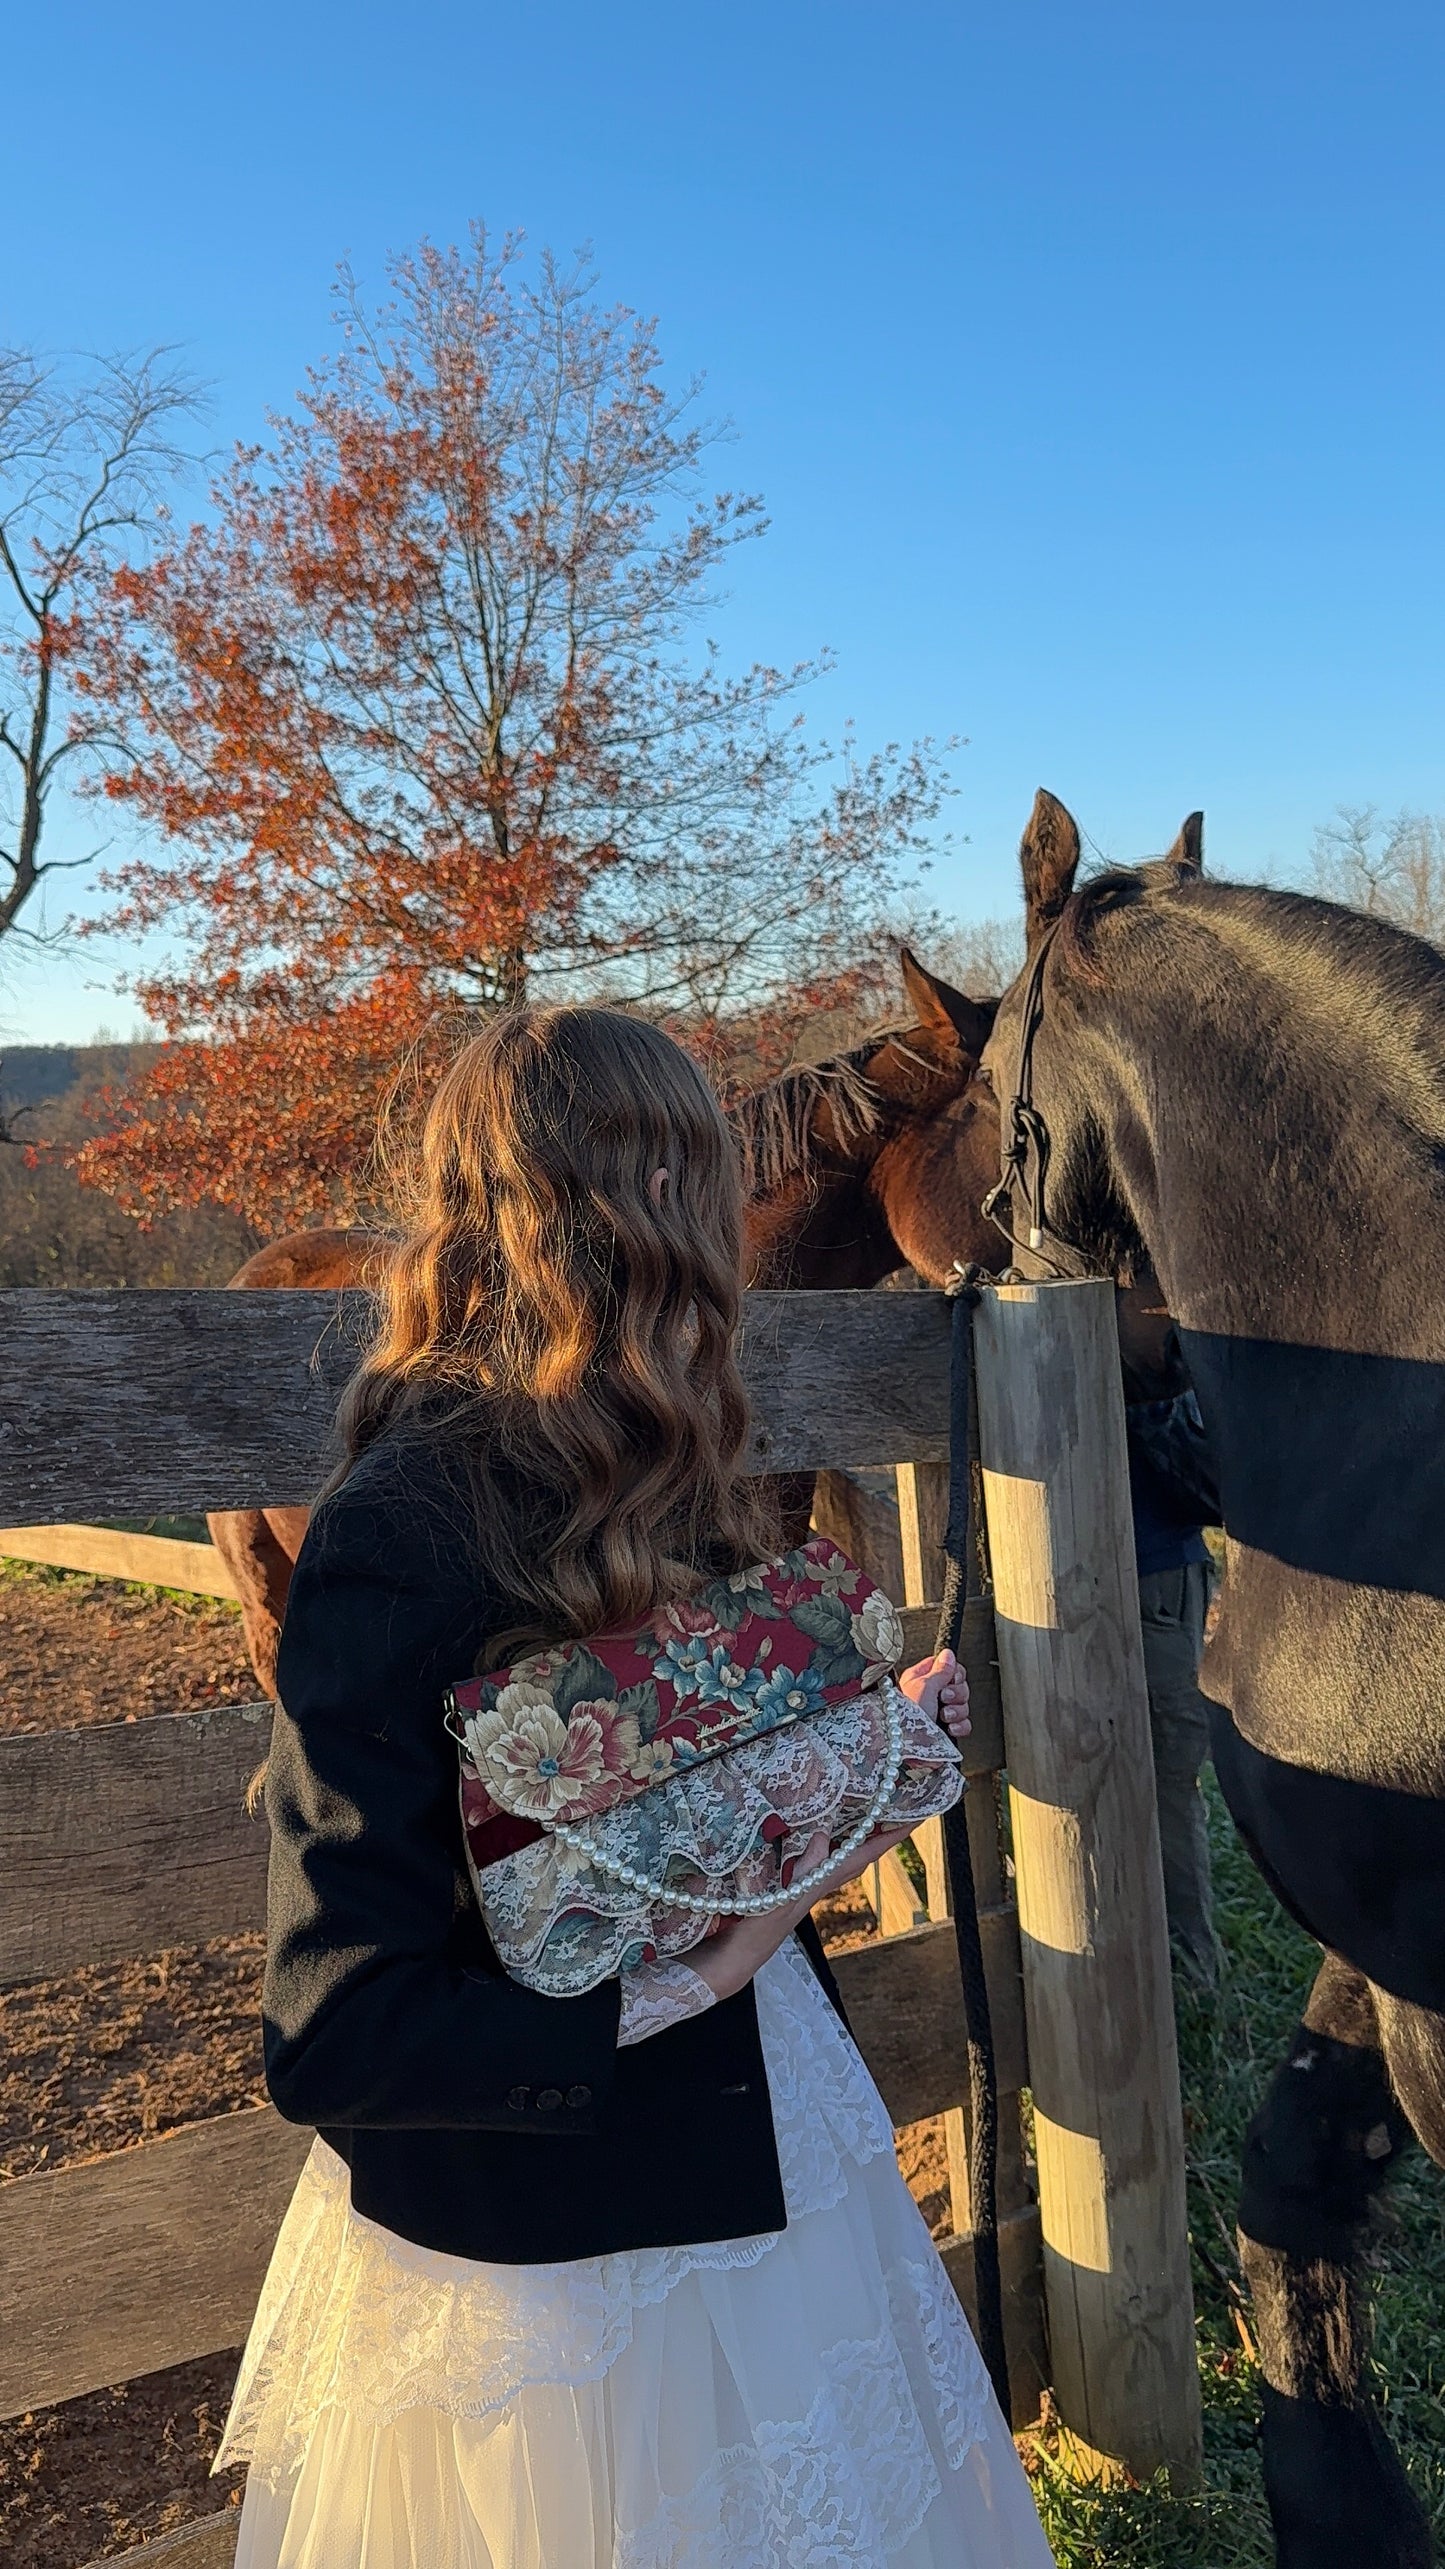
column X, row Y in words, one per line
column 1171, row 1485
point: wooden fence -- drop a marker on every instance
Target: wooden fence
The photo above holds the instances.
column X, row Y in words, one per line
column 154, row 1560
column 124, row 1840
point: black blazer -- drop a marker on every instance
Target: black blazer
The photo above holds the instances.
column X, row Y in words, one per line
column 477, row 2118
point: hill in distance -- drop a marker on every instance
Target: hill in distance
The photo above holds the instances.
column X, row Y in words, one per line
column 53, row 1230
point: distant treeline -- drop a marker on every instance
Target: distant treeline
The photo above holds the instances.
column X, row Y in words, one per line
column 53, row 1230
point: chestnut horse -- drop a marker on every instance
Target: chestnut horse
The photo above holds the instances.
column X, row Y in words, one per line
column 876, row 1160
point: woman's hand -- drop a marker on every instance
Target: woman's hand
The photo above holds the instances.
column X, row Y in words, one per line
column 940, row 1686
column 729, row 1960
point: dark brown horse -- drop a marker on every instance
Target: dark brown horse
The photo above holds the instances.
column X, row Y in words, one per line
column 874, row 1161
column 1248, row 1086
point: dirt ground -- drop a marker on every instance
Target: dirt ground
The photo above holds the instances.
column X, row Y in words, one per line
column 105, row 2057
column 90, row 1650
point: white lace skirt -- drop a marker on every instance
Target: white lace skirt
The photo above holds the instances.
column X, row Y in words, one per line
column 807, row 2400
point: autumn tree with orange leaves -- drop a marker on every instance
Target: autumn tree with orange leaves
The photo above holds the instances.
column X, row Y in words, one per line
column 414, row 726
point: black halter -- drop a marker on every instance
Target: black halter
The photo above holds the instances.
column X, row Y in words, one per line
column 1026, row 1135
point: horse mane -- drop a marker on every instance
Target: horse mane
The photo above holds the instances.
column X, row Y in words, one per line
column 1115, row 887
column 774, row 1124
column 1401, row 962
column 1380, row 978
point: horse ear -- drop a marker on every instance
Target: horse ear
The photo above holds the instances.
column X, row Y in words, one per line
column 950, row 1012
column 1049, row 858
column 1187, row 854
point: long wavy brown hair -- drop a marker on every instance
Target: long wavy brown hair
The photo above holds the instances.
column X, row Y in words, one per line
column 568, row 1343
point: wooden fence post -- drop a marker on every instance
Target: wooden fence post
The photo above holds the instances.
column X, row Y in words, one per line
column 1102, row 2060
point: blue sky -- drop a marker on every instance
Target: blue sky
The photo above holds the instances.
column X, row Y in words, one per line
column 1089, row 360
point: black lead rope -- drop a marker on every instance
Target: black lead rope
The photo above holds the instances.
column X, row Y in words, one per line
column 961, row 1582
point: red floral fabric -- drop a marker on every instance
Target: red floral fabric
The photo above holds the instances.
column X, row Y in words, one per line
column 568, row 1732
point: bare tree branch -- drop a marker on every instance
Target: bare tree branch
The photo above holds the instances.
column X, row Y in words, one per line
column 1390, row 869
column 85, row 456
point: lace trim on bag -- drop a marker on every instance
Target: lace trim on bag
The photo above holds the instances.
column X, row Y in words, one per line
column 352, row 2315
column 560, row 1922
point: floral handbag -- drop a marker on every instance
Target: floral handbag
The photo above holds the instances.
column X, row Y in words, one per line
column 622, row 1795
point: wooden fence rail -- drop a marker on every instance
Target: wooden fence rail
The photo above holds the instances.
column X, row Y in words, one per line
column 126, row 1837
column 144, row 2258
column 211, row 2545
column 155, row 1560
column 122, row 1404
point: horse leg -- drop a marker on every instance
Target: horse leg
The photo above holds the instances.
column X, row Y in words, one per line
column 1316, row 2155
column 260, row 1568
column 1413, row 2041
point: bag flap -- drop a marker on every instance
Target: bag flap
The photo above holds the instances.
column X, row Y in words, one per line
column 570, row 1731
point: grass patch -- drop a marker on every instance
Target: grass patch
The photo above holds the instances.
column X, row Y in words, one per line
column 1228, row 2052
column 176, row 1529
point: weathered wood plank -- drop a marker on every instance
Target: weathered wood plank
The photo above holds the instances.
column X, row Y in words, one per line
column 143, row 2259
column 157, row 1560
column 126, row 1837
column 891, row 1896
column 846, row 1379
column 922, row 1524
column 905, row 2005
column 923, row 1508
column 119, row 1403
column 211, row 2545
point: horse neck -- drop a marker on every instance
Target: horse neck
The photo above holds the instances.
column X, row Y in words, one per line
column 1275, row 1169
column 819, row 1230
column 318, row 1261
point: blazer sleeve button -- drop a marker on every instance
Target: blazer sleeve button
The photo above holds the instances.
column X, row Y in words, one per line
column 548, row 2099
column 518, row 2099
column 577, row 2097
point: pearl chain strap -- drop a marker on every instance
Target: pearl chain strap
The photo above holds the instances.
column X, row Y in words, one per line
column 757, row 1903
